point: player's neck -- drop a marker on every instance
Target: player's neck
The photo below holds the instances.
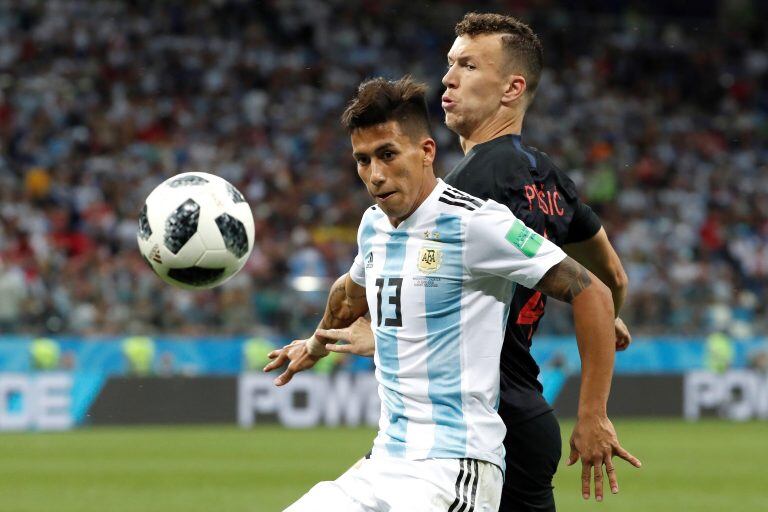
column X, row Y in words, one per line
column 492, row 128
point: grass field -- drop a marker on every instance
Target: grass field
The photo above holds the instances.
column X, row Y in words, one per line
column 691, row 467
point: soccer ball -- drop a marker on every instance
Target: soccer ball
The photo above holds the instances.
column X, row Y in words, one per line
column 195, row 230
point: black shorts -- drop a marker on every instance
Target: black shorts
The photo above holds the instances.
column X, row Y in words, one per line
column 533, row 453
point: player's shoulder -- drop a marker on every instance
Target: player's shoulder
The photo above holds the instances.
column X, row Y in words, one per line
column 472, row 209
column 452, row 201
column 493, row 209
column 373, row 212
column 495, row 167
column 370, row 217
column 496, row 153
column 548, row 170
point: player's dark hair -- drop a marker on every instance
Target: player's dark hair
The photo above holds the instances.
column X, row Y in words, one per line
column 522, row 46
column 379, row 100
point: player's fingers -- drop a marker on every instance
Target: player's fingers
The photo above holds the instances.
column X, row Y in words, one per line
column 333, row 334
column 341, row 349
column 285, row 377
column 586, row 468
column 573, row 457
column 624, row 454
column 283, row 351
column 277, row 362
column 611, row 472
column 598, row 471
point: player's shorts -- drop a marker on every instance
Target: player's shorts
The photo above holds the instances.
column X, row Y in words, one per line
column 402, row 485
column 532, row 453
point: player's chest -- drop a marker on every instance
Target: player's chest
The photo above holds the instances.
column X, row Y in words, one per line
column 412, row 276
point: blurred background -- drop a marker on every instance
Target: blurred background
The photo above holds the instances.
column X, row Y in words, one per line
column 657, row 110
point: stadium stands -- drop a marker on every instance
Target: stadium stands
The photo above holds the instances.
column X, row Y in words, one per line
column 663, row 127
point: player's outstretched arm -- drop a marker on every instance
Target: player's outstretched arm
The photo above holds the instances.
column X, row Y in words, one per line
column 346, row 303
column 599, row 257
column 594, row 438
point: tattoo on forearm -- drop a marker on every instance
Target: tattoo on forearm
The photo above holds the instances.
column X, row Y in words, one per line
column 565, row 280
column 357, row 295
column 342, row 309
column 335, row 301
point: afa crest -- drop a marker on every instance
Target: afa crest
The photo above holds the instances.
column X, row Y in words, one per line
column 430, row 259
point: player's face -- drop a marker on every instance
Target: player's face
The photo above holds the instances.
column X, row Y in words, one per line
column 474, row 82
column 396, row 169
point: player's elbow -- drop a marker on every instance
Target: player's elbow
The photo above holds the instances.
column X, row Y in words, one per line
column 618, row 281
column 614, row 276
column 599, row 296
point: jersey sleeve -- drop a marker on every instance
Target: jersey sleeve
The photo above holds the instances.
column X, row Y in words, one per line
column 357, row 270
column 584, row 225
column 500, row 244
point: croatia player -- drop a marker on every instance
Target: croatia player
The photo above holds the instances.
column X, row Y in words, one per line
column 428, row 269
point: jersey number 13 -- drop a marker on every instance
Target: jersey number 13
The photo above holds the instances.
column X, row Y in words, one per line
column 397, row 284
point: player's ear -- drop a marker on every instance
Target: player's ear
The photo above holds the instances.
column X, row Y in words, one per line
column 429, row 148
column 514, row 88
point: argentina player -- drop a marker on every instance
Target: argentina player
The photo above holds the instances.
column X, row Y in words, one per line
column 428, row 268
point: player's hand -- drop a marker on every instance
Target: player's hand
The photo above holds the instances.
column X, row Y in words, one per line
column 358, row 337
column 623, row 338
column 594, row 441
column 299, row 357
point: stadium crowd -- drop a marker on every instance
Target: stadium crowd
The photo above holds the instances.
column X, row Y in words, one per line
column 663, row 127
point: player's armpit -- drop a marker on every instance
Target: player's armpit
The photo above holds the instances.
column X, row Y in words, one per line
column 565, row 280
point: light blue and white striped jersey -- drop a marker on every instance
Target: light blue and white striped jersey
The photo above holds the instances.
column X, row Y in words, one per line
column 439, row 310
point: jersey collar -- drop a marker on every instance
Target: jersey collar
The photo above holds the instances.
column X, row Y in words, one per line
column 512, row 137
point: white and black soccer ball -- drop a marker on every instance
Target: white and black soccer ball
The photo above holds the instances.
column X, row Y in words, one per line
column 195, row 230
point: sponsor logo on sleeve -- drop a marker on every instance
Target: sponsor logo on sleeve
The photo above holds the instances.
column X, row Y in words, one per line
column 524, row 238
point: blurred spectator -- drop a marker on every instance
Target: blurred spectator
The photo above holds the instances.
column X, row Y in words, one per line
column 659, row 114
column 719, row 352
column 45, row 354
column 758, row 361
column 256, row 353
column 13, row 291
column 166, row 365
column 139, row 352
column 68, row 361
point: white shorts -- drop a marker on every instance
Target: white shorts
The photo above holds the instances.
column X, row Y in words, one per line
column 402, row 485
